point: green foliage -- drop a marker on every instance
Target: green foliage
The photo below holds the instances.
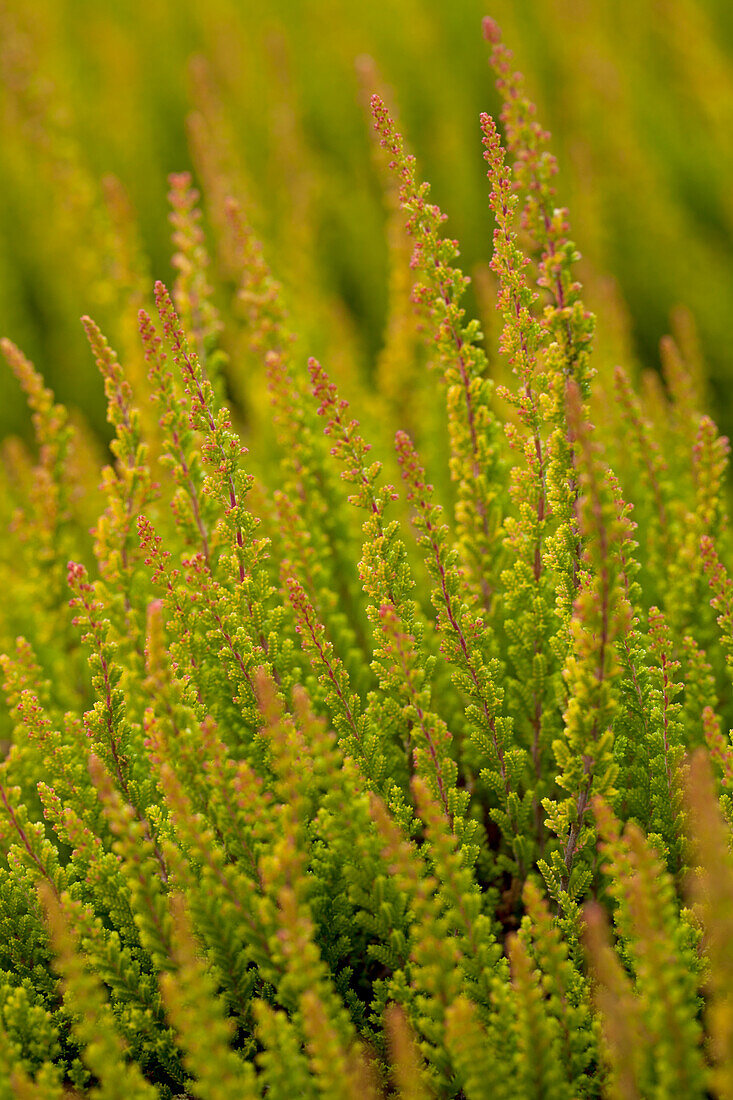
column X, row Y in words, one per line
column 314, row 787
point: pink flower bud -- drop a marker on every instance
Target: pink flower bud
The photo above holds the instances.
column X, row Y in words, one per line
column 491, row 29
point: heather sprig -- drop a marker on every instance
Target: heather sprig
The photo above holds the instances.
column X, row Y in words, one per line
column 400, row 664
column 529, row 623
column 220, row 446
column 193, row 514
column 601, row 616
column 659, row 944
column 434, row 978
column 45, row 535
column 464, row 644
column 566, row 320
column 722, row 598
column 106, row 725
column 129, row 489
column 709, row 888
column 190, row 994
column 84, row 999
column 471, row 424
column 192, row 292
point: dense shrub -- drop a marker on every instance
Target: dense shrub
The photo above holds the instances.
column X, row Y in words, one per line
column 333, row 782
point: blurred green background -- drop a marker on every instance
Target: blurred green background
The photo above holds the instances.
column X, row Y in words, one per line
column 637, row 93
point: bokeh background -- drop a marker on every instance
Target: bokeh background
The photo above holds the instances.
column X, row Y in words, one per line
column 100, row 101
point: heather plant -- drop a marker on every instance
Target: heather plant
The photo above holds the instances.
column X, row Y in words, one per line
column 380, row 757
